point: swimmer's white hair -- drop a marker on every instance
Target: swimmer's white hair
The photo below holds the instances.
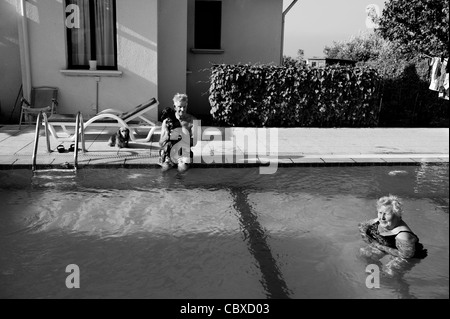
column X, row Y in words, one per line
column 393, row 202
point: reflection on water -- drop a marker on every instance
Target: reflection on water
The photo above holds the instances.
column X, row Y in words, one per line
column 272, row 279
column 215, row 233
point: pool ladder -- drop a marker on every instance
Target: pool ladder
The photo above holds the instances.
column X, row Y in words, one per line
column 79, row 131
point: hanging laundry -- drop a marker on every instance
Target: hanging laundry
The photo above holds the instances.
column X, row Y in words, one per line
column 443, row 80
column 435, row 73
column 446, row 92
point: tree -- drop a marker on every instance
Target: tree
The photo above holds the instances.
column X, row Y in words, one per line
column 300, row 54
column 289, row 61
column 417, row 25
column 361, row 48
column 299, row 60
column 407, row 100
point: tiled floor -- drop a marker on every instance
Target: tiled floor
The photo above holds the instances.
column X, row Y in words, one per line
column 240, row 147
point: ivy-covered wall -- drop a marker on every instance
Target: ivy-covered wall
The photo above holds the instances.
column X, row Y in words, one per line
column 294, row 96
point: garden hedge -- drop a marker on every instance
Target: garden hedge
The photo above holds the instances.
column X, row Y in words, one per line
column 293, row 96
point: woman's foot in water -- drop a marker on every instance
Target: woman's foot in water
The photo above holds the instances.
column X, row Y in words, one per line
column 183, row 164
column 183, row 167
column 166, row 165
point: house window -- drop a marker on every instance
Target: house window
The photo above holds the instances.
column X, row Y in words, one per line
column 313, row 64
column 94, row 35
column 208, row 24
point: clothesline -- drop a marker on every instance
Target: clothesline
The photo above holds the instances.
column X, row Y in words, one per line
column 431, row 57
column 426, row 55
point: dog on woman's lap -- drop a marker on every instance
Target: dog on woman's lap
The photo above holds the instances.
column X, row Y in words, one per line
column 120, row 138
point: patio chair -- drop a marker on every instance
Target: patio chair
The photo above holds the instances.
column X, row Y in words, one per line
column 133, row 119
column 42, row 98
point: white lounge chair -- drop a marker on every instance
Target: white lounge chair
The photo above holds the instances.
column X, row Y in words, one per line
column 134, row 120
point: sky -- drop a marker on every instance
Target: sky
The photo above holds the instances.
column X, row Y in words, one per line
column 313, row 24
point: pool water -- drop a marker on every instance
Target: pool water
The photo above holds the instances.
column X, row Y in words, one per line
column 215, row 233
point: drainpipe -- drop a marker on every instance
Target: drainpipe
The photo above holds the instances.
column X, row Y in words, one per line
column 282, row 28
column 97, row 80
column 25, row 50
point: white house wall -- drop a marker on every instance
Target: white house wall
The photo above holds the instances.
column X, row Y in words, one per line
column 136, row 49
column 251, row 33
column 154, row 39
column 172, row 43
column 252, row 30
column 10, row 75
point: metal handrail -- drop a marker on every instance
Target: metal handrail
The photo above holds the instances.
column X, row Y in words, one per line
column 36, row 140
column 83, row 144
column 47, row 135
column 79, row 131
column 77, row 135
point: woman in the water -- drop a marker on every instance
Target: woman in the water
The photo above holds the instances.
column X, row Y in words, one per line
column 389, row 234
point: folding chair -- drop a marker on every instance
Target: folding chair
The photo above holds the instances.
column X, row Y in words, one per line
column 43, row 98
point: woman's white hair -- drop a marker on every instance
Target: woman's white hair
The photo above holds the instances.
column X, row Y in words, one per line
column 180, row 97
column 393, row 202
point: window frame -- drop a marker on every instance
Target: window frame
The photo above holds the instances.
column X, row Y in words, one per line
column 199, row 35
column 70, row 65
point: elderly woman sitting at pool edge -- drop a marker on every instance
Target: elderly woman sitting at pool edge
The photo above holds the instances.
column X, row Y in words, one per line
column 389, row 233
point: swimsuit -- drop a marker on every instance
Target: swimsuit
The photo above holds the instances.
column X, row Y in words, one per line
column 389, row 240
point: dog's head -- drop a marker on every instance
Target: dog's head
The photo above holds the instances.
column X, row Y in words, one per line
column 169, row 114
column 124, row 133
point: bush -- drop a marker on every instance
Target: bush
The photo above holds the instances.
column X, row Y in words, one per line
column 295, row 95
column 407, row 99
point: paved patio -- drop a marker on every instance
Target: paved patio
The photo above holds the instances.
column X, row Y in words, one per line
column 241, row 147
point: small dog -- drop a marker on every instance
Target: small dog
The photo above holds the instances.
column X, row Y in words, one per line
column 121, row 138
column 172, row 122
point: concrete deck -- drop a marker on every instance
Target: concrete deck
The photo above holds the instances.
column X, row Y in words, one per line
column 226, row 148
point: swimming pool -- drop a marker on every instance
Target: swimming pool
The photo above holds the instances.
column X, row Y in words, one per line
column 215, row 233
